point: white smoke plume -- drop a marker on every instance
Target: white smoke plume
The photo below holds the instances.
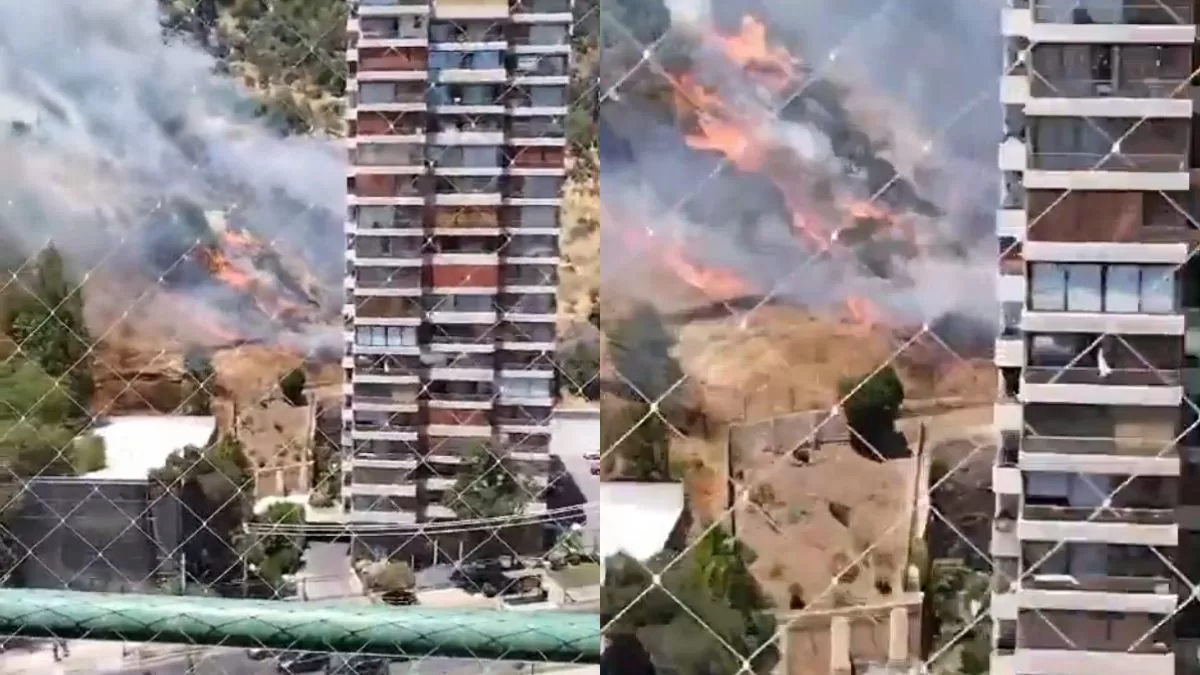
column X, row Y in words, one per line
column 107, row 127
column 933, row 117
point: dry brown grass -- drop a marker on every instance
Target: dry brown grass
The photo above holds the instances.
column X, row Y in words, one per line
column 579, row 271
column 842, row 520
column 139, row 369
column 783, row 359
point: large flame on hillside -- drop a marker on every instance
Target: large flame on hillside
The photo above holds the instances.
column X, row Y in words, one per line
column 276, row 297
column 723, row 117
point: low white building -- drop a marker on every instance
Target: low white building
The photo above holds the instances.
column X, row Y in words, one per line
column 640, row 519
column 108, row 529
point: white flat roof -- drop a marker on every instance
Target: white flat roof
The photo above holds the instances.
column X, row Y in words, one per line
column 135, row 445
column 637, row 518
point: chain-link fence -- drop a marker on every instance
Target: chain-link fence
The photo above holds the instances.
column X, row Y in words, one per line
column 300, row 346
column 838, row 459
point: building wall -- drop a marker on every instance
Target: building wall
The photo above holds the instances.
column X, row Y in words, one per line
column 456, row 113
column 1097, row 158
column 96, row 535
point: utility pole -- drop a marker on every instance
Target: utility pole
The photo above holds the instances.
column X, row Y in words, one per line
column 183, row 572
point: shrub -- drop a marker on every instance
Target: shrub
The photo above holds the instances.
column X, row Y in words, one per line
column 88, row 454
column 292, row 386
column 872, row 403
column 796, row 597
column 840, row 513
column 392, row 577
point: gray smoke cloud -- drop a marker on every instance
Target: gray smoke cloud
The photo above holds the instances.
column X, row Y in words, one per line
column 916, row 84
column 114, row 137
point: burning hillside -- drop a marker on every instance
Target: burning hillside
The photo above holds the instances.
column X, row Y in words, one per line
column 737, row 168
column 115, row 162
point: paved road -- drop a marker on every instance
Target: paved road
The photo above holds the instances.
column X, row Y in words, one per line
column 572, row 436
column 328, row 573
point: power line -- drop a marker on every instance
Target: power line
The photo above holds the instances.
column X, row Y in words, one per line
column 445, row 527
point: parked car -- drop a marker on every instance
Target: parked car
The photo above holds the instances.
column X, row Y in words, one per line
column 301, row 662
column 592, row 456
column 259, row 653
column 360, row 665
column 595, row 468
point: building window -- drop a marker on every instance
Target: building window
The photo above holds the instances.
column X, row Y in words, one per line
column 385, row 336
column 1120, row 289
column 516, row 387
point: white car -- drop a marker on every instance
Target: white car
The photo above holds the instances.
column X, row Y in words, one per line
column 592, row 456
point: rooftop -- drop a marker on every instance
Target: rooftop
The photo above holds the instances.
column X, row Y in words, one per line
column 638, row 518
column 135, row 445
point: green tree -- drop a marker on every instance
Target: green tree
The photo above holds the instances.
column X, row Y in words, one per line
column 872, row 403
column 958, row 596
column 392, row 577
column 488, row 486
column 47, row 323
column 272, row 556
column 635, row 441
column 200, row 371
column 215, row 485
column 645, row 622
column 292, row 386
column 580, row 369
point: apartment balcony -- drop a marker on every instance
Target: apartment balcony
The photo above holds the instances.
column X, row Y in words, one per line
column 398, row 461
column 1126, row 12
column 1141, row 527
column 380, row 517
column 542, row 11
column 401, row 403
column 470, row 9
column 1099, row 593
column 1088, row 386
column 1146, row 23
column 1101, row 323
column 1010, row 351
column 366, row 8
column 1110, row 456
column 379, row 432
column 1008, row 415
column 1004, row 542
column 1107, row 171
column 1011, row 288
column 439, row 483
column 1012, row 223
column 1106, row 98
column 1080, row 662
column 1111, row 252
column 381, row 489
column 363, row 376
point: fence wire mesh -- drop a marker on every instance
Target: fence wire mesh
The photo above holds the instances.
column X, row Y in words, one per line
column 252, row 425
column 836, row 461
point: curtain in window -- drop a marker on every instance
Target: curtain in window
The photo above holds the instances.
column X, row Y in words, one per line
column 1084, row 288
column 1158, row 289
column 1122, row 289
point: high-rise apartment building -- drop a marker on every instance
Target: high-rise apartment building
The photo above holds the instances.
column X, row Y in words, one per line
column 1096, row 469
column 456, row 113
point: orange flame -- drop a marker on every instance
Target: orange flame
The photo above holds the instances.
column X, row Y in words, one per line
column 743, row 134
column 862, row 311
column 773, row 67
column 238, row 274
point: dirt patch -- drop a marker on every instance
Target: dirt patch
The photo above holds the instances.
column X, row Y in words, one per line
column 276, row 437
column 779, row 359
column 837, row 527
